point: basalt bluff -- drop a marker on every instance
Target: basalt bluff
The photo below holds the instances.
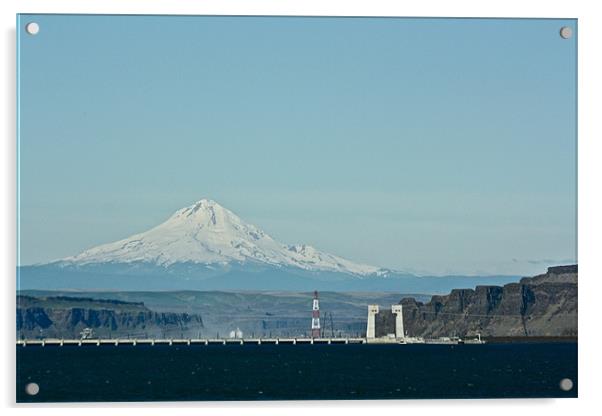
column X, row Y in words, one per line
column 65, row 317
column 544, row 305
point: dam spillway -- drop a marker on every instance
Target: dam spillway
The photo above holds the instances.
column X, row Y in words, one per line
column 182, row 341
column 240, row 341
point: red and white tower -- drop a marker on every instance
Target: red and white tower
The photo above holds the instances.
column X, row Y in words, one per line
column 315, row 317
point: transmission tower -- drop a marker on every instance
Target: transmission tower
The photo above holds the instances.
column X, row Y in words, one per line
column 315, row 317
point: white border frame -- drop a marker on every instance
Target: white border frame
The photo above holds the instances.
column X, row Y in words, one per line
column 589, row 211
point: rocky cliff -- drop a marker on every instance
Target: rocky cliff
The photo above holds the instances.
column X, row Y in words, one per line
column 66, row 317
column 544, row 305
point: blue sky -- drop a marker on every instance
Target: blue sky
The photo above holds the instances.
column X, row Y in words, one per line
column 429, row 145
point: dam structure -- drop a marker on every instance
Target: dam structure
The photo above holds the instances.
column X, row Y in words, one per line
column 183, row 341
column 386, row 326
column 383, row 326
column 378, row 326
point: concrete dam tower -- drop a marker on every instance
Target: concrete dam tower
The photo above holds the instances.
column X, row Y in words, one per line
column 398, row 312
column 385, row 324
column 371, row 327
column 315, row 317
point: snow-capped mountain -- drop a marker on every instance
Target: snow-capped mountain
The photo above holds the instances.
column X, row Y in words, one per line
column 207, row 247
column 208, row 234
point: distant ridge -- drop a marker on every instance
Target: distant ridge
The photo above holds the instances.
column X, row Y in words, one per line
column 205, row 246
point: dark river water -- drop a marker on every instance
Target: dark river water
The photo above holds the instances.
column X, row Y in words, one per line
column 295, row 372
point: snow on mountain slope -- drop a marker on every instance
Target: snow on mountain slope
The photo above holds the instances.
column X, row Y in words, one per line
column 209, row 234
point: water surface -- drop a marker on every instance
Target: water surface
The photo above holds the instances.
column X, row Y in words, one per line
column 295, row 372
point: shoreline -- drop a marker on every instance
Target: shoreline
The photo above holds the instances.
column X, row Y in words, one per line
column 529, row 340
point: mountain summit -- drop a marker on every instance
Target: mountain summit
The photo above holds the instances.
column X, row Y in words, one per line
column 208, row 234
